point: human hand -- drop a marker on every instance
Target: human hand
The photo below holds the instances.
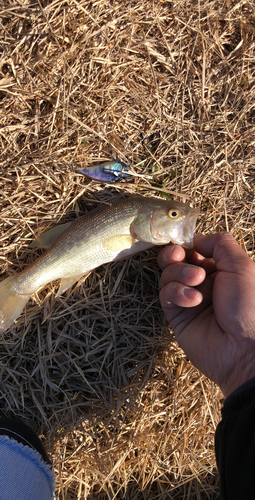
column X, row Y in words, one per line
column 208, row 297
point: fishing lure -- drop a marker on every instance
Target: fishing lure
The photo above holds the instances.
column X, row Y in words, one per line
column 110, row 171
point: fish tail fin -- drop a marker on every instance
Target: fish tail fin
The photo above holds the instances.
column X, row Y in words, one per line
column 11, row 303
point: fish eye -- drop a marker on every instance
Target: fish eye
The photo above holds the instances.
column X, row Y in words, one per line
column 173, row 213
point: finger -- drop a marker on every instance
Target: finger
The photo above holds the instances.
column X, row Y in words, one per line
column 170, row 255
column 225, row 250
column 204, row 244
column 183, row 273
column 175, row 253
column 176, row 294
column 199, row 260
column 179, row 317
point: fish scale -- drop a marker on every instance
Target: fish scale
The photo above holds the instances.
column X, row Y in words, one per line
column 79, row 249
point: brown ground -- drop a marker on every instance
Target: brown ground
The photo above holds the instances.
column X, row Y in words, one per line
column 169, row 88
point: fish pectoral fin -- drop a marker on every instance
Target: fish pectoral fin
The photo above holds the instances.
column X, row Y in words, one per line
column 46, row 239
column 65, row 283
column 118, row 243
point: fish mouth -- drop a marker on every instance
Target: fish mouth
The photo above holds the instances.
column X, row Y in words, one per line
column 183, row 235
column 189, row 228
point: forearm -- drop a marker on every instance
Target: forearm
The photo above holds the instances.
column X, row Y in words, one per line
column 235, row 444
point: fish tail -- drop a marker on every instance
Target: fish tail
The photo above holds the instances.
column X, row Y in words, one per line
column 11, row 303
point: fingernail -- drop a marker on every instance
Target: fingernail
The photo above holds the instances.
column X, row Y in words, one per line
column 189, row 293
column 167, row 252
column 189, row 272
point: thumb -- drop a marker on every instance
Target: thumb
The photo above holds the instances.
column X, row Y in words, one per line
column 226, row 252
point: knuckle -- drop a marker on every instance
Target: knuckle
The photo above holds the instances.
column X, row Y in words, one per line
column 223, row 240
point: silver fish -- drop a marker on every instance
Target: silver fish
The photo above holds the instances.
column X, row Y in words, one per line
column 108, row 233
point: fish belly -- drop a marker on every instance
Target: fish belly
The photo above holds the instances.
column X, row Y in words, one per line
column 54, row 265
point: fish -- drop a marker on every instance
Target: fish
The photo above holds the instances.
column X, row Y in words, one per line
column 110, row 232
column 110, row 171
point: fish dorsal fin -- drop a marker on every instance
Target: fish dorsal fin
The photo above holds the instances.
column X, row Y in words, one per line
column 46, row 239
column 118, row 243
column 65, row 283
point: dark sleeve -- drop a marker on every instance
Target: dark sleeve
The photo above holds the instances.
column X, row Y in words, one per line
column 235, row 444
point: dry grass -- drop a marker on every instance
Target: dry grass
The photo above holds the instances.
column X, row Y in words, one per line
column 168, row 87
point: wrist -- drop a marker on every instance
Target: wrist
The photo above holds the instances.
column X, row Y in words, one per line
column 243, row 371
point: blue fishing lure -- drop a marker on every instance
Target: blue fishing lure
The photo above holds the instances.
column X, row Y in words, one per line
column 110, row 171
